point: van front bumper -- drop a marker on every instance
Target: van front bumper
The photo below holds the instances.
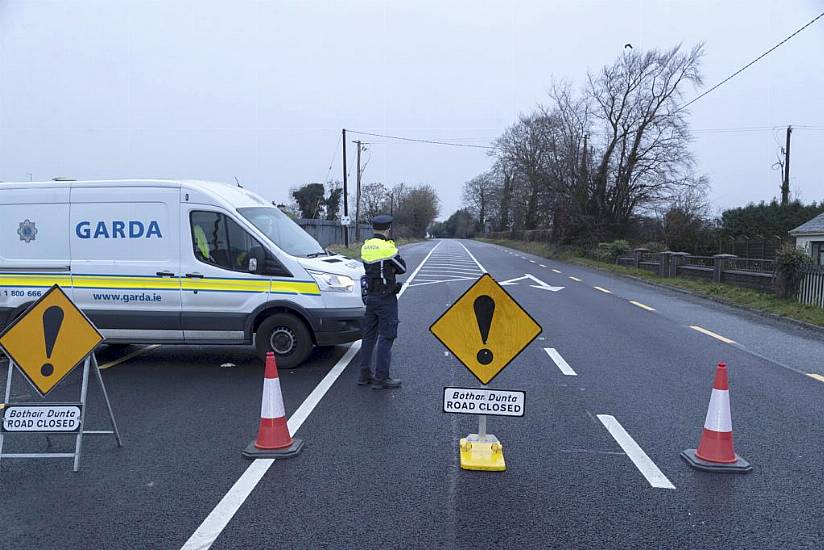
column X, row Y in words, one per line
column 336, row 326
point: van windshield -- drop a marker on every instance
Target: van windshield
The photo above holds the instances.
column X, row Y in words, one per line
column 281, row 230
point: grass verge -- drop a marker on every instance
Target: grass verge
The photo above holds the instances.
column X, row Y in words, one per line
column 720, row 292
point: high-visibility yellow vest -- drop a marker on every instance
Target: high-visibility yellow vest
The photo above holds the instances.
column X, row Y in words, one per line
column 201, row 242
column 376, row 250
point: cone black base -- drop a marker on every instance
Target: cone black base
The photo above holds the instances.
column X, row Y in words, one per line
column 740, row 466
column 251, row 452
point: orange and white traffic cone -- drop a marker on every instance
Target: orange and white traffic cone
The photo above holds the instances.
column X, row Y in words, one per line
column 715, row 451
column 273, row 439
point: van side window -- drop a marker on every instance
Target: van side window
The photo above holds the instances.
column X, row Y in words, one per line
column 220, row 241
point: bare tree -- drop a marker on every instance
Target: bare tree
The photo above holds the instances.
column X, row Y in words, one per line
column 586, row 164
column 481, row 195
column 417, row 209
column 643, row 153
column 373, row 199
column 524, row 147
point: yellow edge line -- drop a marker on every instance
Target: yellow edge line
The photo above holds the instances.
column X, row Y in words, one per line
column 642, row 306
column 711, row 333
column 129, row 356
column 602, row 289
column 816, row 376
column 575, row 278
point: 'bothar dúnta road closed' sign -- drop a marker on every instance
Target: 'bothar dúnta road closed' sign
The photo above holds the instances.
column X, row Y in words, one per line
column 41, row 418
column 485, row 329
column 484, row 401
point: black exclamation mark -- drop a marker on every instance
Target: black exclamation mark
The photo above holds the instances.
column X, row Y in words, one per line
column 52, row 319
column 484, row 310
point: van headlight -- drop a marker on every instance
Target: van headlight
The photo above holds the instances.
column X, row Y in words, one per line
column 331, row 282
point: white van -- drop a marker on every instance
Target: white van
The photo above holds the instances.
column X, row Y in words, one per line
column 177, row 262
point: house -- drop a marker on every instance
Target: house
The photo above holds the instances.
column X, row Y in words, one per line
column 809, row 237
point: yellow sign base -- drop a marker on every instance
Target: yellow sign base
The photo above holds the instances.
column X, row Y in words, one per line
column 486, row 455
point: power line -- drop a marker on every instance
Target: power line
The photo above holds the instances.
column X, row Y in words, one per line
column 751, row 63
column 752, row 129
column 430, row 141
column 334, row 156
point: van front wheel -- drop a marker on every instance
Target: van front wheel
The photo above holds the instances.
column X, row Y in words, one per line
column 287, row 337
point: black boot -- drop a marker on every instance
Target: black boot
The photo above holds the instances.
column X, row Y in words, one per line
column 365, row 377
column 386, row 384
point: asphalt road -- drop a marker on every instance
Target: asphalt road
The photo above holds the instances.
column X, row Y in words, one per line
column 380, row 469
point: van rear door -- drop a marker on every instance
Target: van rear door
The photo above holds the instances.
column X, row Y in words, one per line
column 34, row 244
column 126, row 260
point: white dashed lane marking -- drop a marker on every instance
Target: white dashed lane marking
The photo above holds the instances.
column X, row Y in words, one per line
column 645, row 465
column 712, row 334
column 560, row 362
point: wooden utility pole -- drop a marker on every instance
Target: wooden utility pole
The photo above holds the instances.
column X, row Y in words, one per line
column 345, row 192
column 357, row 194
column 785, row 185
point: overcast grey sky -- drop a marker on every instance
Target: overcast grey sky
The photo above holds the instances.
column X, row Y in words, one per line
column 260, row 90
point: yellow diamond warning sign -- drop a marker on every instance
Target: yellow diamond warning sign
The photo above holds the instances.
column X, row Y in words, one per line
column 485, row 329
column 49, row 340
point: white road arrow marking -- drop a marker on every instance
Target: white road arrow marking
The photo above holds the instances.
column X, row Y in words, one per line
column 541, row 285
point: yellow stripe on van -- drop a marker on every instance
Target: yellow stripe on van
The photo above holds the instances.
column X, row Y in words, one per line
column 13, row 279
column 299, row 287
column 160, row 283
column 236, row 285
column 126, row 283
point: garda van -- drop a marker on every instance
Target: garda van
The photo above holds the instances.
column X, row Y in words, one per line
column 176, row 262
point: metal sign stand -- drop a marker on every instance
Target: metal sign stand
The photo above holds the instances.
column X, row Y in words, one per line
column 89, row 364
column 482, row 451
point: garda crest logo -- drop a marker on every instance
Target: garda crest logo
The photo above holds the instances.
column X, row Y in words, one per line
column 27, row 231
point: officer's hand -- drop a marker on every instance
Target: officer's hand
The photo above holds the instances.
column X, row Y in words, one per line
column 398, row 287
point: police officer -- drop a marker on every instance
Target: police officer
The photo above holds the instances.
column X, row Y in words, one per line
column 382, row 263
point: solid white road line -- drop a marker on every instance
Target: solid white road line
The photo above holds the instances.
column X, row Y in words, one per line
column 575, row 278
column 645, row 465
column 125, row 358
column 712, row 334
column 560, row 362
column 602, row 289
column 483, row 269
column 222, row 514
column 642, row 306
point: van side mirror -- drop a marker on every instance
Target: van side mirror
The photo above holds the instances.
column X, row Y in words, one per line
column 257, row 259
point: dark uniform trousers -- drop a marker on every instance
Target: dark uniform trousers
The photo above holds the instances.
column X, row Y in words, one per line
column 380, row 326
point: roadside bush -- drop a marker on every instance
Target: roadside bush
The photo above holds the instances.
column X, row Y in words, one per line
column 790, row 265
column 611, row 251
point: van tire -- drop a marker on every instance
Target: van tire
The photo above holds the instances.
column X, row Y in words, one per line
column 280, row 330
